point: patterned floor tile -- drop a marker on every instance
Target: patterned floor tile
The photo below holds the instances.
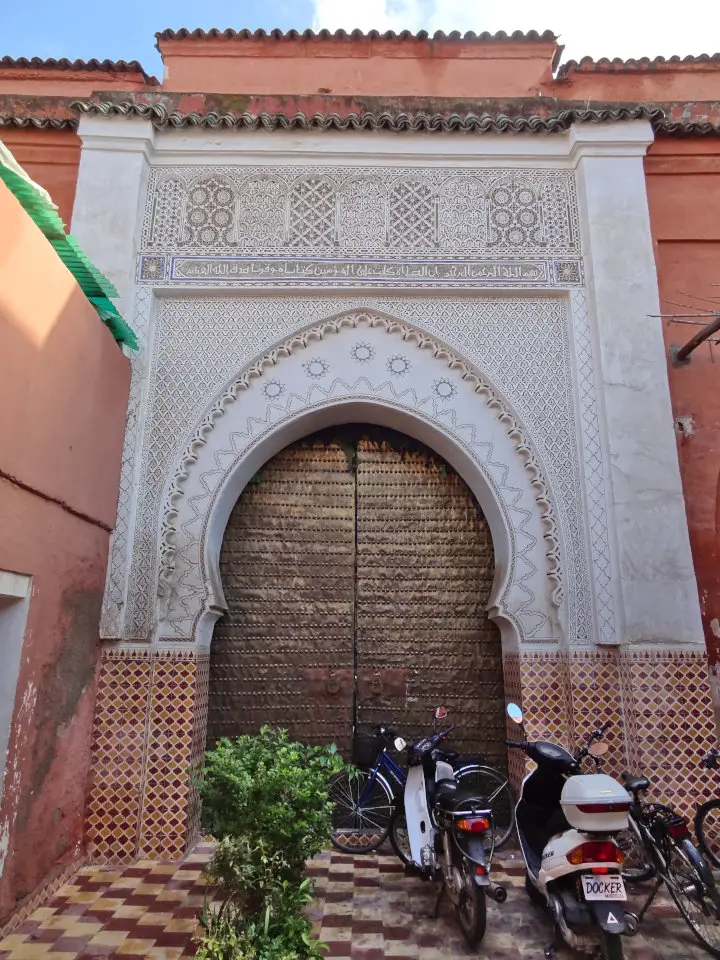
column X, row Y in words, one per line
column 364, row 909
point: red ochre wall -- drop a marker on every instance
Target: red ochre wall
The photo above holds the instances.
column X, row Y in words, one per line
column 63, row 395
column 683, row 180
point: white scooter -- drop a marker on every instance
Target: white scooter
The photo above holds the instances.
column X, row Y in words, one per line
column 567, row 823
column 450, row 831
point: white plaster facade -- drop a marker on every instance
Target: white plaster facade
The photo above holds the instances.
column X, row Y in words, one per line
column 502, row 291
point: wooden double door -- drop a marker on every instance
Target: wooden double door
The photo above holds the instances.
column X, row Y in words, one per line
column 356, row 568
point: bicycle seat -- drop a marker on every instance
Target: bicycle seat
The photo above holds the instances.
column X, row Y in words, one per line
column 634, row 784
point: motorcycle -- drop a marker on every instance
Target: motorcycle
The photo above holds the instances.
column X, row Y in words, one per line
column 450, row 832
column 567, row 824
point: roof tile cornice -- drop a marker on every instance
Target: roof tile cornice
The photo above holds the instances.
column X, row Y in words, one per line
column 467, row 121
column 411, row 114
column 50, row 63
column 501, row 36
column 643, row 65
column 36, row 112
column 38, row 123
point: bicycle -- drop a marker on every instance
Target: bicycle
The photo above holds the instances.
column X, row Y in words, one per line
column 658, row 843
column 368, row 800
column 707, row 817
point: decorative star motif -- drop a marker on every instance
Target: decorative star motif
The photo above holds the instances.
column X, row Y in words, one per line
column 273, row 389
column 398, row 365
column 444, row 389
column 316, row 368
column 152, row 267
column 568, row 272
column 362, row 352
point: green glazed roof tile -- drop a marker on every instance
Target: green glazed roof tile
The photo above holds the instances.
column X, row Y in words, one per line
column 38, row 204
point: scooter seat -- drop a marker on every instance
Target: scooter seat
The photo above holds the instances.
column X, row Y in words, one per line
column 634, row 784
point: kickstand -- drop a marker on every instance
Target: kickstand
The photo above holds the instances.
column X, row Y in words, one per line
column 646, row 905
column 440, row 896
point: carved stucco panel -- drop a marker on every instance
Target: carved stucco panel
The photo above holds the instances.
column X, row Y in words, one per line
column 520, row 342
column 364, row 357
column 386, row 212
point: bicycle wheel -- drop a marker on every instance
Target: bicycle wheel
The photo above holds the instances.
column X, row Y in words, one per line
column 637, row 865
column 495, row 787
column 692, row 888
column 707, row 831
column 399, row 837
column 362, row 807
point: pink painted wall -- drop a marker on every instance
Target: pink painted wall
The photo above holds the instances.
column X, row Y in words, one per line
column 683, row 183
column 63, row 394
column 663, row 82
column 41, row 81
column 429, row 68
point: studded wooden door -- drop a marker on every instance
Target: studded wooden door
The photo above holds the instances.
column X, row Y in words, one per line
column 356, row 570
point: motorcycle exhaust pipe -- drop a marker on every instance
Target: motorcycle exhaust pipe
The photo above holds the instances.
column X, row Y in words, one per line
column 493, row 891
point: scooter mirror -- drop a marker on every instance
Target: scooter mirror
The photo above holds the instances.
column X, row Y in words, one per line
column 515, row 713
column 441, row 713
column 598, row 749
column 400, row 744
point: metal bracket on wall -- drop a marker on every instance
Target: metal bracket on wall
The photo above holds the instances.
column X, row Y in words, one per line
column 708, row 319
column 680, row 356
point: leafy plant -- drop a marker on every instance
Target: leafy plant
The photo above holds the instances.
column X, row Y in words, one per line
column 271, row 789
column 284, row 938
column 265, row 800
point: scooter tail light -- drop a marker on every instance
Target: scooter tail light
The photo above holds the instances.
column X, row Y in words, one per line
column 596, row 851
column 473, row 824
column 679, row 830
column 619, row 807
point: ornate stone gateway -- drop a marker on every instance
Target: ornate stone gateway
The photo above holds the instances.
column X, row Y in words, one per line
column 356, row 568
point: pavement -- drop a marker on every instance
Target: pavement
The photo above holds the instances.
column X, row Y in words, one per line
column 364, row 908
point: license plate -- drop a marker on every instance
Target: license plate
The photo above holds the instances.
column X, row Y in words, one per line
column 603, row 888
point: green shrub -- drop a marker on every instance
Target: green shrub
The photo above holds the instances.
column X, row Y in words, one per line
column 265, row 800
column 271, row 789
column 284, row 936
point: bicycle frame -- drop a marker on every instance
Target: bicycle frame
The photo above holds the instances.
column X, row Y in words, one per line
column 654, row 849
column 396, row 774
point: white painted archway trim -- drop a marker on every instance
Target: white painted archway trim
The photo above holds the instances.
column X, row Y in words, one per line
column 363, row 366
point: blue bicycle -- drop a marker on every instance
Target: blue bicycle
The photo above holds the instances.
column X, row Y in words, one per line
column 368, row 801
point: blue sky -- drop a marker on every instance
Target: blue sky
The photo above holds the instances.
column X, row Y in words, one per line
column 624, row 28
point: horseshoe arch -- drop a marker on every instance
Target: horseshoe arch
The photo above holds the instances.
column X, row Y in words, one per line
column 363, row 366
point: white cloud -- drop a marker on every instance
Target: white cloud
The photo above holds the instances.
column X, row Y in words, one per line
column 613, row 28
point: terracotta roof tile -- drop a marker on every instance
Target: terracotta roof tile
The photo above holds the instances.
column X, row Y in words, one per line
column 106, row 66
column 644, row 64
column 547, row 115
column 165, row 115
column 199, row 34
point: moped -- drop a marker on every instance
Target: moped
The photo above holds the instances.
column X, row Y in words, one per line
column 567, row 824
column 450, row 832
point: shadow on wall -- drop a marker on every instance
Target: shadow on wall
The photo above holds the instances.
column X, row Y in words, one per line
column 63, row 395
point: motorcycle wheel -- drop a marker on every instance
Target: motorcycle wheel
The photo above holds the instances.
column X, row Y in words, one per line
column 471, row 908
column 611, row 946
column 399, row 839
